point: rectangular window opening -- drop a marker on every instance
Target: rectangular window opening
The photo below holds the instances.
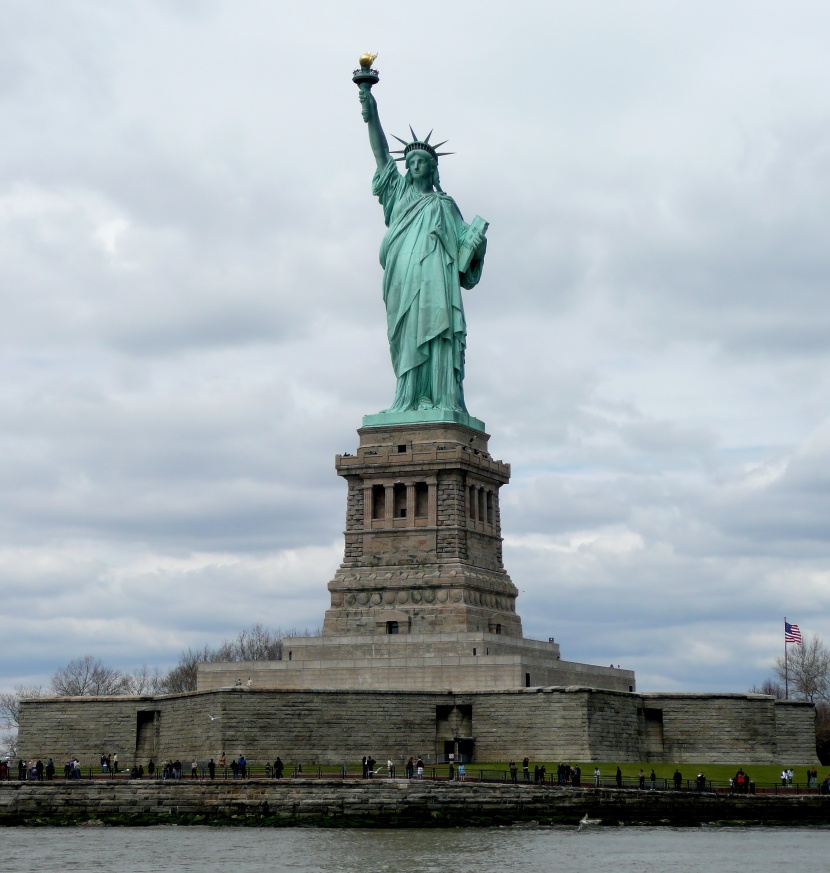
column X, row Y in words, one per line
column 378, row 501
column 399, row 496
column 421, row 499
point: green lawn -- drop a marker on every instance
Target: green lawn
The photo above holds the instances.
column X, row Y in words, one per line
column 758, row 773
column 761, row 774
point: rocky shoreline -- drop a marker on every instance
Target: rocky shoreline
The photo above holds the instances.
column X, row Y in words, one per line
column 384, row 803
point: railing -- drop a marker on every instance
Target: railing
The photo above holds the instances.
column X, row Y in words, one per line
column 437, row 773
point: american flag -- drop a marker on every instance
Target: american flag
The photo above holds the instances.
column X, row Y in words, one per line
column 792, row 633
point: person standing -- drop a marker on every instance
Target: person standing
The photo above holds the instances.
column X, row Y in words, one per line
column 514, row 772
column 641, row 779
column 678, row 780
column 653, row 779
column 194, row 769
column 211, row 769
column 596, row 777
column 451, row 771
column 618, row 777
column 365, row 766
column 410, row 768
column 526, row 768
column 420, row 768
column 278, row 768
column 462, row 772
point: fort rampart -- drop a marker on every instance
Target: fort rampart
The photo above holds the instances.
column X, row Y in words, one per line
column 339, row 727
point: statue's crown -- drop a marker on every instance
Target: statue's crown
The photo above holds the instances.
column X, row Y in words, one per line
column 419, row 144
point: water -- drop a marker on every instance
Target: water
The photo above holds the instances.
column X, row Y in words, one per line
column 462, row 850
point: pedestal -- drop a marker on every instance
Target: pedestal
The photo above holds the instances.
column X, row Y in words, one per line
column 423, row 551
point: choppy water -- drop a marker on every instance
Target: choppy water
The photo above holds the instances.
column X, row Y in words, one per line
column 462, row 850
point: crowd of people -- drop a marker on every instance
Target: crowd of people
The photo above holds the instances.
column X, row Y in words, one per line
column 566, row 775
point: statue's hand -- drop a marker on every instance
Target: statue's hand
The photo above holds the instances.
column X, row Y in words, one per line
column 478, row 243
column 367, row 100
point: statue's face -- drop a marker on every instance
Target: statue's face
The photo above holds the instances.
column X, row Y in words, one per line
column 420, row 165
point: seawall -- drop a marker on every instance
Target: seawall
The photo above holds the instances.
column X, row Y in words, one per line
column 383, row 803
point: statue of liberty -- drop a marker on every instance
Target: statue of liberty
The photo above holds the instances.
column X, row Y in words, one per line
column 429, row 253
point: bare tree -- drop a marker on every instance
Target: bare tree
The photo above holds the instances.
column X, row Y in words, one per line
column 10, row 704
column 88, row 677
column 145, row 680
column 10, row 716
column 256, row 643
column 807, row 670
column 183, row 676
column 769, row 686
column 259, row 644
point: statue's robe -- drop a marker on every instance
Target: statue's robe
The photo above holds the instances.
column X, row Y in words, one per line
column 422, row 292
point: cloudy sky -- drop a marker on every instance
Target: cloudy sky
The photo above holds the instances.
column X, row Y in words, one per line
column 192, row 323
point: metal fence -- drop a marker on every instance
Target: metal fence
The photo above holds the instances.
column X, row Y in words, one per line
column 437, row 773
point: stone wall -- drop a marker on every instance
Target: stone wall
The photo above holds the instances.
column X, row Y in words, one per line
column 337, row 727
column 397, row 803
column 795, row 728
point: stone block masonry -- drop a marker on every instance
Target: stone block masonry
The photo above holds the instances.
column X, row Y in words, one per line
column 382, row 803
column 423, row 546
column 339, row 727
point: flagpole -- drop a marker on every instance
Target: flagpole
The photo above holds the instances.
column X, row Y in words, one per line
column 786, row 675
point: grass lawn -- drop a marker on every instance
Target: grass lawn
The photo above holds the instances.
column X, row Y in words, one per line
column 721, row 773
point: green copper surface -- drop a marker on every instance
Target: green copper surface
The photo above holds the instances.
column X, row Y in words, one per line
column 418, row 416
column 422, row 281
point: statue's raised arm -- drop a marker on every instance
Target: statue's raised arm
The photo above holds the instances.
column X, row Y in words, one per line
column 364, row 78
column 377, row 138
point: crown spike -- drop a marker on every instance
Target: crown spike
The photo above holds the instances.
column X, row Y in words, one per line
column 418, row 144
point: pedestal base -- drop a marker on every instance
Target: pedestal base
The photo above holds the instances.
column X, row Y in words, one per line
column 423, row 416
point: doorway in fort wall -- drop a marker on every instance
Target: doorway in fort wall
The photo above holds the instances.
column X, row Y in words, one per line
column 148, row 726
column 454, row 733
column 651, row 730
